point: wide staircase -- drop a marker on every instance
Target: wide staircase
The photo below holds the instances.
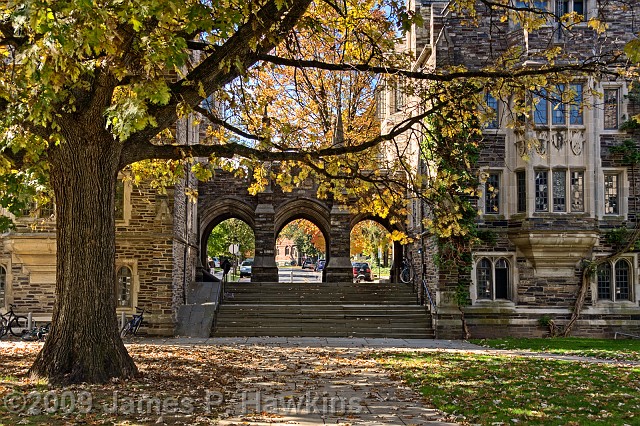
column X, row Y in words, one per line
column 322, row 310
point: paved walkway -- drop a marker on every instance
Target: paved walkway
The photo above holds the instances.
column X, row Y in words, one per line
column 316, row 381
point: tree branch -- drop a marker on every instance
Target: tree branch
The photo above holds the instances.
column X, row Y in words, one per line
column 148, row 150
column 594, row 65
column 269, row 26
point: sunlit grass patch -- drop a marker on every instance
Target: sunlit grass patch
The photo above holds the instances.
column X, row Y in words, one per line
column 487, row 390
column 621, row 350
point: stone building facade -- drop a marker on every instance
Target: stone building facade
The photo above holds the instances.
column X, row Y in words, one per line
column 161, row 241
column 550, row 204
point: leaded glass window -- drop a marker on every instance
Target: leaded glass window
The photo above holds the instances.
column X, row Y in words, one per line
column 604, row 281
column 559, row 191
column 119, row 200
column 558, row 108
column 575, row 110
column 492, row 194
column 577, row 191
column 492, row 105
column 521, row 178
column 611, row 194
column 540, row 114
column 484, row 279
column 611, row 109
column 622, row 279
column 123, row 286
column 542, row 191
column 3, row 285
column 615, row 280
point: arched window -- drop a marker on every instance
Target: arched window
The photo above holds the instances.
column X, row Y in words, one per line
column 502, row 279
column 622, row 279
column 123, row 286
column 493, row 277
column 484, row 277
column 3, row 285
column 615, row 280
column 604, row 281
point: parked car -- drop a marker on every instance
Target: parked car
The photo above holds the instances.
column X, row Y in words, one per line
column 309, row 264
column 214, row 262
column 245, row 268
column 362, row 268
column 320, row 265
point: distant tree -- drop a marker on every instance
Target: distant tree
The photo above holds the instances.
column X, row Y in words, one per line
column 231, row 231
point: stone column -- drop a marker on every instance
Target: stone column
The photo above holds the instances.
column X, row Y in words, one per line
column 264, row 267
column 339, row 267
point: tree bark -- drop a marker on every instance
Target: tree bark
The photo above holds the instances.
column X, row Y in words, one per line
column 84, row 344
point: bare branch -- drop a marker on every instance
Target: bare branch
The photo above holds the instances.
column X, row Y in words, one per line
column 228, row 61
column 145, row 151
column 596, row 64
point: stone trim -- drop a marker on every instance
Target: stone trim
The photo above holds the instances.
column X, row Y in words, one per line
column 132, row 264
column 634, row 288
column 5, row 262
column 514, row 280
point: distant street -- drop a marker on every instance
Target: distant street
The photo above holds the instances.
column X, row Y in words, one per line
column 289, row 275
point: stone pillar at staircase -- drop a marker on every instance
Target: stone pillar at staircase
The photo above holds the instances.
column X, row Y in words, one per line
column 339, row 267
column 264, row 267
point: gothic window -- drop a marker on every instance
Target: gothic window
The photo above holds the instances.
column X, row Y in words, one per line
column 286, row 251
column 571, row 6
column 123, row 286
column 492, row 106
column 558, row 108
column 381, row 102
column 119, row 200
column 577, row 191
column 540, row 113
column 542, row 191
column 484, row 279
column 398, row 95
column 492, row 279
column 615, row 280
column 559, row 191
column 531, row 4
column 611, row 109
column 492, row 194
column 575, row 108
column 46, row 210
column 521, row 178
column 611, row 193
column 559, row 200
column 3, row 286
column 561, row 106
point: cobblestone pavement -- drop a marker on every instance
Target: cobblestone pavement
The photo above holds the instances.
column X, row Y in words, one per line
column 316, row 381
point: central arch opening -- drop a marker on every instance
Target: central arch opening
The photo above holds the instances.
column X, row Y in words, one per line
column 300, row 252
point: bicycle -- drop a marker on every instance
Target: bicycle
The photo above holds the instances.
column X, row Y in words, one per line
column 132, row 326
column 406, row 273
column 38, row 334
column 12, row 323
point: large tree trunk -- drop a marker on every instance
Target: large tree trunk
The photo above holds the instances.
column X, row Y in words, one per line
column 84, row 344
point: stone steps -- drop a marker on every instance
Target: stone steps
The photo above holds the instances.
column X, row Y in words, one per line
column 322, row 310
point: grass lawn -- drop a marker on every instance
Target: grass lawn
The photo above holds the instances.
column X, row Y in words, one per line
column 507, row 390
column 621, row 350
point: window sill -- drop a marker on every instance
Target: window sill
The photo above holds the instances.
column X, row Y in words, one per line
column 613, row 217
column 492, row 306
column 491, row 216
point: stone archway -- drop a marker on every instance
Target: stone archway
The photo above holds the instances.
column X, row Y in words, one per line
column 215, row 213
column 396, row 263
column 305, row 208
